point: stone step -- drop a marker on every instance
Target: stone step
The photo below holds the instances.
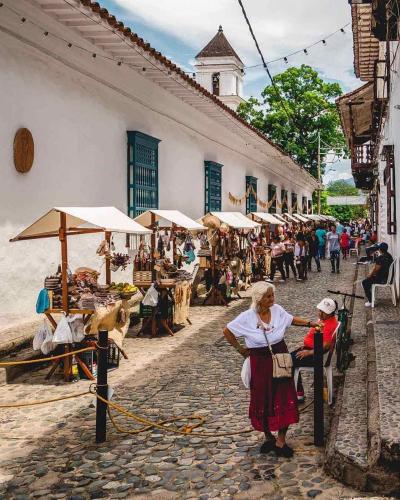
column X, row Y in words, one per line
column 10, row 373
column 386, row 325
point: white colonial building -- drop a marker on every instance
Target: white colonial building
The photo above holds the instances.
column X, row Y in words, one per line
column 116, row 123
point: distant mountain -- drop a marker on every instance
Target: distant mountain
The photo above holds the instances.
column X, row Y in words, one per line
column 350, row 181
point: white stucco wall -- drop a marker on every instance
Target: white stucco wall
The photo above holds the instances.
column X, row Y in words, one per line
column 79, row 111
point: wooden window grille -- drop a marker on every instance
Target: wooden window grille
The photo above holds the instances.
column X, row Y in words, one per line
column 215, row 83
column 304, row 205
column 309, row 206
column 142, row 173
column 294, row 202
column 213, row 186
column 284, row 201
column 251, row 201
column 390, row 183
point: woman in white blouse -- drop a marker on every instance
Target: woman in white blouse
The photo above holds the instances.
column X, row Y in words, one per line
column 273, row 401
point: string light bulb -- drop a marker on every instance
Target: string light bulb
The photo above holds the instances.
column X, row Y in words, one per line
column 94, row 55
column 69, row 45
column 305, row 52
column 324, row 42
column 119, row 63
column 343, row 30
column 23, row 19
column 286, row 60
column 46, row 33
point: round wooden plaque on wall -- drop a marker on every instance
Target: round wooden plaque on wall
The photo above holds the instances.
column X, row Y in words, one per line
column 23, row 150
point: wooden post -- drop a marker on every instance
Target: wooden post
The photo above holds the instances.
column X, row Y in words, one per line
column 318, row 388
column 102, row 387
column 64, row 261
column 173, row 228
column 108, row 257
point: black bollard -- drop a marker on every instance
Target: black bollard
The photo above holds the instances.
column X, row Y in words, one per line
column 318, row 388
column 102, row 388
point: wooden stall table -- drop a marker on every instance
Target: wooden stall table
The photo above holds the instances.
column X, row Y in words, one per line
column 86, row 313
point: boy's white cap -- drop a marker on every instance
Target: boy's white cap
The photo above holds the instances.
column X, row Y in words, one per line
column 328, row 306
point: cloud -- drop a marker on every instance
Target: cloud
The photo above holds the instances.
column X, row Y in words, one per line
column 281, row 27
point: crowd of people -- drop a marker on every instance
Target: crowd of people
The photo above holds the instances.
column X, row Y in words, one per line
column 294, row 249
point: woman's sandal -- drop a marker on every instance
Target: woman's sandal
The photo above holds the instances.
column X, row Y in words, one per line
column 268, row 446
column 284, row 451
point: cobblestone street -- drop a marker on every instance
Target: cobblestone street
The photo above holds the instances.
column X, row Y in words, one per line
column 49, row 451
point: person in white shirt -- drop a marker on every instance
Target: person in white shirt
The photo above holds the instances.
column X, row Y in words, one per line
column 277, row 254
column 273, row 402
column 334, row 249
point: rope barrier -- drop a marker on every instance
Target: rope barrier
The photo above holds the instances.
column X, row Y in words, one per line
column 41, row 360
column 44, row 401
column 160, row 425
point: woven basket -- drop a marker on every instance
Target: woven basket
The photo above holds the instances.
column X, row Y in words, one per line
column 141, row 276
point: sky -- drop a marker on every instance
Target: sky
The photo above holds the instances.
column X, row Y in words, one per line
column 181, row 28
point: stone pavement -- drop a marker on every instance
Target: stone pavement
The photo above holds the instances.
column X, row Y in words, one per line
column 49, row 451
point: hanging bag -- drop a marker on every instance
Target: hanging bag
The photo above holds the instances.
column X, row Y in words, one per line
column 282, row 362
column 246, row 373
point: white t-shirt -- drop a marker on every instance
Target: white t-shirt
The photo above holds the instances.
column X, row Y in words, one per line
column 246, row 326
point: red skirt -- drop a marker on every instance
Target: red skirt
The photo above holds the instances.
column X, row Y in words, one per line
column 273, row 401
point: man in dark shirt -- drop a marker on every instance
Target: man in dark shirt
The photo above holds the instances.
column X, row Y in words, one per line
column 379, row 273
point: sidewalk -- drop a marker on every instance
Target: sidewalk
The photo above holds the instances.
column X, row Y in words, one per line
column 49, row 451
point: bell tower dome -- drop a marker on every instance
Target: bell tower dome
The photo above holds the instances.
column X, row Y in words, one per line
column 220, row 70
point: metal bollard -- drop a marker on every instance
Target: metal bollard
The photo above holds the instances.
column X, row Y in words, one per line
column 318, row 388
column 102, row 387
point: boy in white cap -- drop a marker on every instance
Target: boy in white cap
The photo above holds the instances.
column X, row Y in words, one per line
column 304, row 356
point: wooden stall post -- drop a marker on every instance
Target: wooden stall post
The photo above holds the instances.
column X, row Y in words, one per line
column 64, row 260
column 153, row 246
column 102, row 387
column 318, row 388
column 108, row 258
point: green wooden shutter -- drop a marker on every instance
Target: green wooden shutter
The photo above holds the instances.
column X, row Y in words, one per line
column 271, row 193
column 213, row 186
column 251, row 202
column 294, row 201
column 142, row 173
column 304, row 205
column 284, row 201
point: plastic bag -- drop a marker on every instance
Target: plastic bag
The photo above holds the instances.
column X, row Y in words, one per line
column 63, row 333
column 191, row 256
column 48, row 345
column 246, row 373
column 151, row 297
column 39, row 337
column 77, row 327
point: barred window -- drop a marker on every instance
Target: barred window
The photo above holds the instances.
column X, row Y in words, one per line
column 390, row 182
column 251, row 201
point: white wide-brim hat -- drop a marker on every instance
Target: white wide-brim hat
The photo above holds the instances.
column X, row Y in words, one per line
column 328, row 306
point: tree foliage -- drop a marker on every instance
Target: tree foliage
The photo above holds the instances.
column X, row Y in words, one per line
column 294, row 110
column 344, row 212
column 341, row 188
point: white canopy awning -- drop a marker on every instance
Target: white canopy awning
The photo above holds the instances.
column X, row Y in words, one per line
column 92, row 219
column 279, row 217
column 300, row 217
column 290, row 218
column 314, row 217
column 236, row 220
column 166, row 218
column 266, row 217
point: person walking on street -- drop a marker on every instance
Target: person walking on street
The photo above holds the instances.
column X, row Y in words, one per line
column 345, row 243
column 321, row 235
column 301, row 256
column 289, row 254
column 313, row 251
column 277, row 253
column 334, row 249
column 379, row 273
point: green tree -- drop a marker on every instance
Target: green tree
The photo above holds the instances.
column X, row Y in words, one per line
column 344, row 212
column 294, row 110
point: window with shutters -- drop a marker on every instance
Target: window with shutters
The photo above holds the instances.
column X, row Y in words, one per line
column 142, row 173
column 304, row 205
column 390, row 182
column 213, row 186
column 272, row 197
column 251, row 200
column 284, row 201
column 309, row 207
column 294, row 202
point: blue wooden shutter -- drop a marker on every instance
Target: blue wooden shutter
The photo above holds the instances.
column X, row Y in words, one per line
column 142, row 173
column 251, row 202
column 213, row 186
column 271, row 193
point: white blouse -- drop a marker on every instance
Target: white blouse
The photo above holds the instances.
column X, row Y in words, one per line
column 246, row 326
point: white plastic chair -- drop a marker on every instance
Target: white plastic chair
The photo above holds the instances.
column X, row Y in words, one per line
column 328, row 366
column 355, row 249
column 391, row 283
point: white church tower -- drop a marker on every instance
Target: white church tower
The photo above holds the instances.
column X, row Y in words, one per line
column 220, row 70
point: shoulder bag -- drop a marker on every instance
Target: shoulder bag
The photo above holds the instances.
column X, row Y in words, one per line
column 281, row 362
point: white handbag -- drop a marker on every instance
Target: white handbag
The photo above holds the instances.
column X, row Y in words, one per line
column 246, row 373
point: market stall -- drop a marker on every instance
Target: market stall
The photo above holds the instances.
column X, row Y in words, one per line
column 230, row 236
column 300, row 218
column 172, row 246
column 270, row 226
column 82, row 305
